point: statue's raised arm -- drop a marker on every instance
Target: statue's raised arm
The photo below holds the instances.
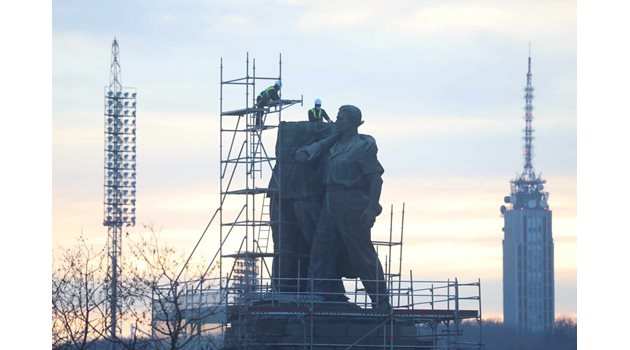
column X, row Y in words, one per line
column 314, row 150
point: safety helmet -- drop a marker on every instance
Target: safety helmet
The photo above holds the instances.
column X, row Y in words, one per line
column 318, row 102
column 278, row 83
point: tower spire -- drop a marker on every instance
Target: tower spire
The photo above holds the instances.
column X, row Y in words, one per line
column 528, row 188
column 115, row 75
column 528, row 169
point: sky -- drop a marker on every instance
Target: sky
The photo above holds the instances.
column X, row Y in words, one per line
column 440, row 84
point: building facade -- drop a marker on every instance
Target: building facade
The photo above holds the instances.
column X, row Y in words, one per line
column 528, row 263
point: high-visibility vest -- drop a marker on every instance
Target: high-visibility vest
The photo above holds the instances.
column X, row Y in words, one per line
column 266, row 93
column 317, row 112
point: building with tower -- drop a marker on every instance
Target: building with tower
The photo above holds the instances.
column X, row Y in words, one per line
column 528, row 268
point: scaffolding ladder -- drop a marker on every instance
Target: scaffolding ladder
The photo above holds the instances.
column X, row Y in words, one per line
column 264, row 230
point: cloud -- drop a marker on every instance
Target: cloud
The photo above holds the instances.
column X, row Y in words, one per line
column 166, row 18
column 340, row 14
column 237, row 20
column 450, row 16
column 77, row 55
column 489, row 15
column 433, row 19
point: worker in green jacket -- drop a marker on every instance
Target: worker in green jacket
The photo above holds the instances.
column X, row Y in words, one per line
column 317, row 113
column 266, row 96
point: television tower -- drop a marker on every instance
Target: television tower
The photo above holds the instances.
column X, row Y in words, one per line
column 528, row 271
column 120, row 174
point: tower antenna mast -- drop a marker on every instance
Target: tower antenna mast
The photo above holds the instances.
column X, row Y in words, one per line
column 120, row 176
column 528, row 169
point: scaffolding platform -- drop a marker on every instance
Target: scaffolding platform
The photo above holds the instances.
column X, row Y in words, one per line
column 251, row 129
column 386, row 243
column 245, row 224
column 284, row 102
column 243, row 160
column 356, row 311
column 249, row 255
column 243, row 111
column 249, row 191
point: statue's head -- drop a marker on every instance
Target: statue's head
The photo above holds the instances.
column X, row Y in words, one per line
column 348, row 117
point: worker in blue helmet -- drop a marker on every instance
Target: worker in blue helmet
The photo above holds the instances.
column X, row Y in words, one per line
column 266, row 96
column 317, row 113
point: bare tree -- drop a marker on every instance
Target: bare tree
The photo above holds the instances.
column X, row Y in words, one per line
column 153, row 303
column 78, row 296
column 154, row 271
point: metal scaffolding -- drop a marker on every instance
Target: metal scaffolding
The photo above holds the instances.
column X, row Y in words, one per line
column 241, row 300
column 245, row 161
column 425, row 315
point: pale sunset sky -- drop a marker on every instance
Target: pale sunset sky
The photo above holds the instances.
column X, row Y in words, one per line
column 440, row 84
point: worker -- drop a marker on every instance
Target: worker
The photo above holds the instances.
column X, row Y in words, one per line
column 317, row 113
column 352, row 177
column 266, row 96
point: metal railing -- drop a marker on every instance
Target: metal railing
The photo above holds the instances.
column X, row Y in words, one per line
column 436, row 307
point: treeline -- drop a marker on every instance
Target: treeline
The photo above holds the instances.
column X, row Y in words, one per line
column 496, row 336
column 143, row 344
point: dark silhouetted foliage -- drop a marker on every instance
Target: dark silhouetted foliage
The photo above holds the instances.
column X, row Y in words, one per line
column 497, row 336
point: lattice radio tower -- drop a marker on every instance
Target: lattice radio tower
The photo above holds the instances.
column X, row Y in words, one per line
column 528, row 183
column 120, row 174
column 528, row 171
